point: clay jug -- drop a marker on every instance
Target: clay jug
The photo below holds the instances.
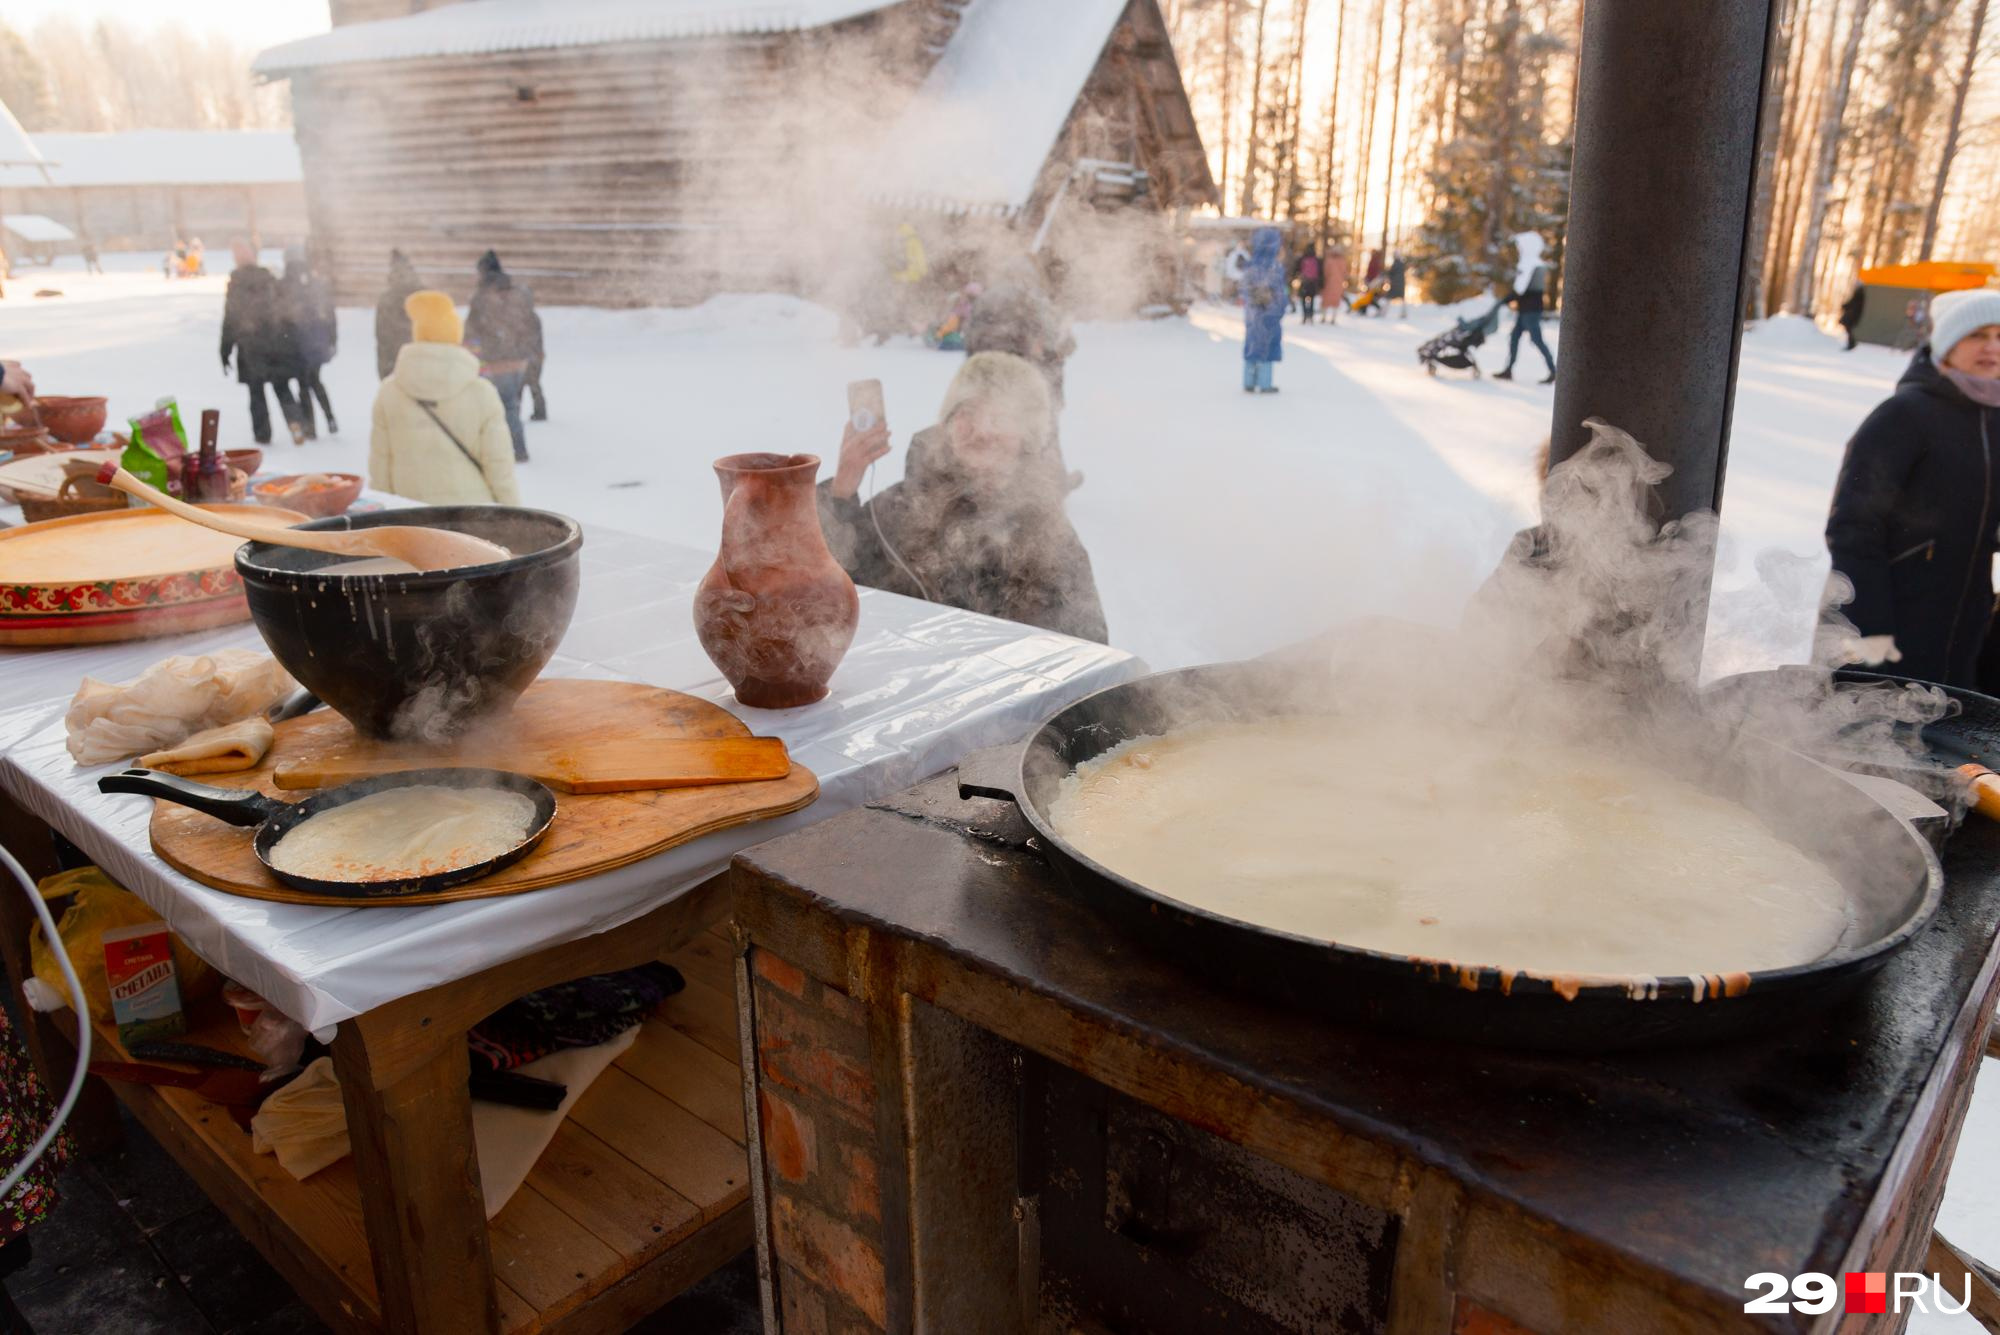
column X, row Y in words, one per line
column 775, row 612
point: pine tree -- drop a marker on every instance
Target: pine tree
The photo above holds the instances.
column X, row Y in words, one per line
column 1501, row 172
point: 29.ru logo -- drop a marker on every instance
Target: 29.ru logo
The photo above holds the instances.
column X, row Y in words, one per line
column 1866, row 1292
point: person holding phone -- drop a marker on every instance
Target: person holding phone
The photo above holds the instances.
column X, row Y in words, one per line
column 974, row 523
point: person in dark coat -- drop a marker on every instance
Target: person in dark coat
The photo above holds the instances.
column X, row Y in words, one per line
column 1398, row 275
column 1264, row 296
column 1912, row 525
column 256, row 332
column 972, row 524
column 1307, row 272
column 1850, row 313
column 392, row 323
column 315, row 334
column 503, row 330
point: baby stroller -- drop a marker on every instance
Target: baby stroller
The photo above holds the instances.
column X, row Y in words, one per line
column 1453, row 348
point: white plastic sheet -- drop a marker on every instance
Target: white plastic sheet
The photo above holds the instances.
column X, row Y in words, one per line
column 922, row 686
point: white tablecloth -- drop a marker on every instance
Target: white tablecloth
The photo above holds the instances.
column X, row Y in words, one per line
column 922, row 686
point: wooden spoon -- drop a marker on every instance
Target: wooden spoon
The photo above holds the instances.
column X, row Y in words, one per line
column 421, row 548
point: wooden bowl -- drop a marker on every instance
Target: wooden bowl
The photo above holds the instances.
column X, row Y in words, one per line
column 74, row 420
column 320, row 503
column 247, row 460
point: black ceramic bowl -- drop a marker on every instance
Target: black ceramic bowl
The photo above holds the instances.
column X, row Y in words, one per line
column 420, row 656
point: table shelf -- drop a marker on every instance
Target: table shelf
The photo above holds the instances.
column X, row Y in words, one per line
column 644, row 1190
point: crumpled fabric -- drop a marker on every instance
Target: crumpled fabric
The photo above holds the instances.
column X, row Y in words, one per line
column 170, row 702
column 578, row 1014
column 305, row 1123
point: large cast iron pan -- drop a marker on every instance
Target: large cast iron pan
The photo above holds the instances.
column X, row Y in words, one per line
column 273, row 820
column 1472, row 1002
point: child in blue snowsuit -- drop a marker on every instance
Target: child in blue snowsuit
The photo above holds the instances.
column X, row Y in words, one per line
column 1264, row 298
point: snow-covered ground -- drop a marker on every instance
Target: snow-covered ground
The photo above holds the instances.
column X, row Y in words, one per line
column 1219, row 524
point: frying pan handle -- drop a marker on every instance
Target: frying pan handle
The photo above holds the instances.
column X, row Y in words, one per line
column 234, row 805
column 994, row 772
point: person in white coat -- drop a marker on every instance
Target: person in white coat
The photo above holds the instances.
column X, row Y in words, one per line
column 440, row 434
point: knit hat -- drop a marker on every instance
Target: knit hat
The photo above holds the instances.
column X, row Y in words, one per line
column 489, row 263
column 433, row 319
column 1956, row 314
column 1004, row 382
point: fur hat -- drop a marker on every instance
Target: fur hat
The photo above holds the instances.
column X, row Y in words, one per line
column 433, row 319
column 1006, row 382
column 1956, row 314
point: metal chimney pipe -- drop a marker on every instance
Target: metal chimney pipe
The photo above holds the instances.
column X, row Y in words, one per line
column 1668, row 101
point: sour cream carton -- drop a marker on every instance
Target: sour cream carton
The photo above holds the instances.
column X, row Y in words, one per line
column 145, row 991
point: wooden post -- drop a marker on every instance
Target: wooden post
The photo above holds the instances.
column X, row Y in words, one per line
column 420, row 1192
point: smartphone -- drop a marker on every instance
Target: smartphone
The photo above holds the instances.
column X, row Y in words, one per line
column 865, row 410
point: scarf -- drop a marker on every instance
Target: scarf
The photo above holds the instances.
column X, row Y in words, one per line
column 1982, row 390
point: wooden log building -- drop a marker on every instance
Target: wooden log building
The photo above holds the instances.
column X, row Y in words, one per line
column 651, row 152
column 144, row 189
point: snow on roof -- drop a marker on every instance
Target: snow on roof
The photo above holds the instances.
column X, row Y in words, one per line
column 35, row 227
column 16, row 149
column 481, row 27
column 975, row 136
column 163, row 157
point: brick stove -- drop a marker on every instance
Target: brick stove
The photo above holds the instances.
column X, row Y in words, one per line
column 980, row 1108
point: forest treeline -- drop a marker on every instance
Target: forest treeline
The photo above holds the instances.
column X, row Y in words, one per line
column 62, row 75
column 1440, row 128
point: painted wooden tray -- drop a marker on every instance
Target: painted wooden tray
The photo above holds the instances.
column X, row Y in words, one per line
column 125, row 575
column 592, row 832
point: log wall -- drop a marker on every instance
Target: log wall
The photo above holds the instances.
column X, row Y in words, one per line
column 657, row 173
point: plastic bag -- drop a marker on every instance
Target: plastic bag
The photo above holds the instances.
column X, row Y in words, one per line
column 304, row 1124
column 99, row 904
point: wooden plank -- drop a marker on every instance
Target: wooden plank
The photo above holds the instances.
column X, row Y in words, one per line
column 547, row 1257
column 517, row 1315
column 666, row 1140
column 1961, row 1271
column 623, row 1206
column 419, row 1174
column 705, row 1015
column 651, row 1287
column 707, row 959
column 311, row 1232
column 670, row 1063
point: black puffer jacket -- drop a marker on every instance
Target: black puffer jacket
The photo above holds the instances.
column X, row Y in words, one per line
column 1024, row 563
column 1913, row 523
column 255, row 327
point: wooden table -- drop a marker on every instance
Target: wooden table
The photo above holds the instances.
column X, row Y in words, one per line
column 643, row 1191
column 1059, row 1125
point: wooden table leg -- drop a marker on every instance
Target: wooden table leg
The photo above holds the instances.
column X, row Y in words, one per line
column 411, row 1129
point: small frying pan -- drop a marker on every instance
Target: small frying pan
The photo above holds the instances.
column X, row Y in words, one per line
column 274, row 820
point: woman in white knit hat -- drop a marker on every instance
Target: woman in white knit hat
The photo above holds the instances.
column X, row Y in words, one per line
column 1916, row 512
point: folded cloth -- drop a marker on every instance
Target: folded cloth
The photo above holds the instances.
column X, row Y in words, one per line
column 305, row 1123
column 570, row 1015
column 170, row 702
column 233, row 746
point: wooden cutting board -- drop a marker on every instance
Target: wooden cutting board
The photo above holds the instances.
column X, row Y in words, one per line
column 602, row 765
column 593, row 832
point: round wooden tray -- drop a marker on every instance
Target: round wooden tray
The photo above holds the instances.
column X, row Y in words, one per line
column 121, row 575
column 592, row 832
